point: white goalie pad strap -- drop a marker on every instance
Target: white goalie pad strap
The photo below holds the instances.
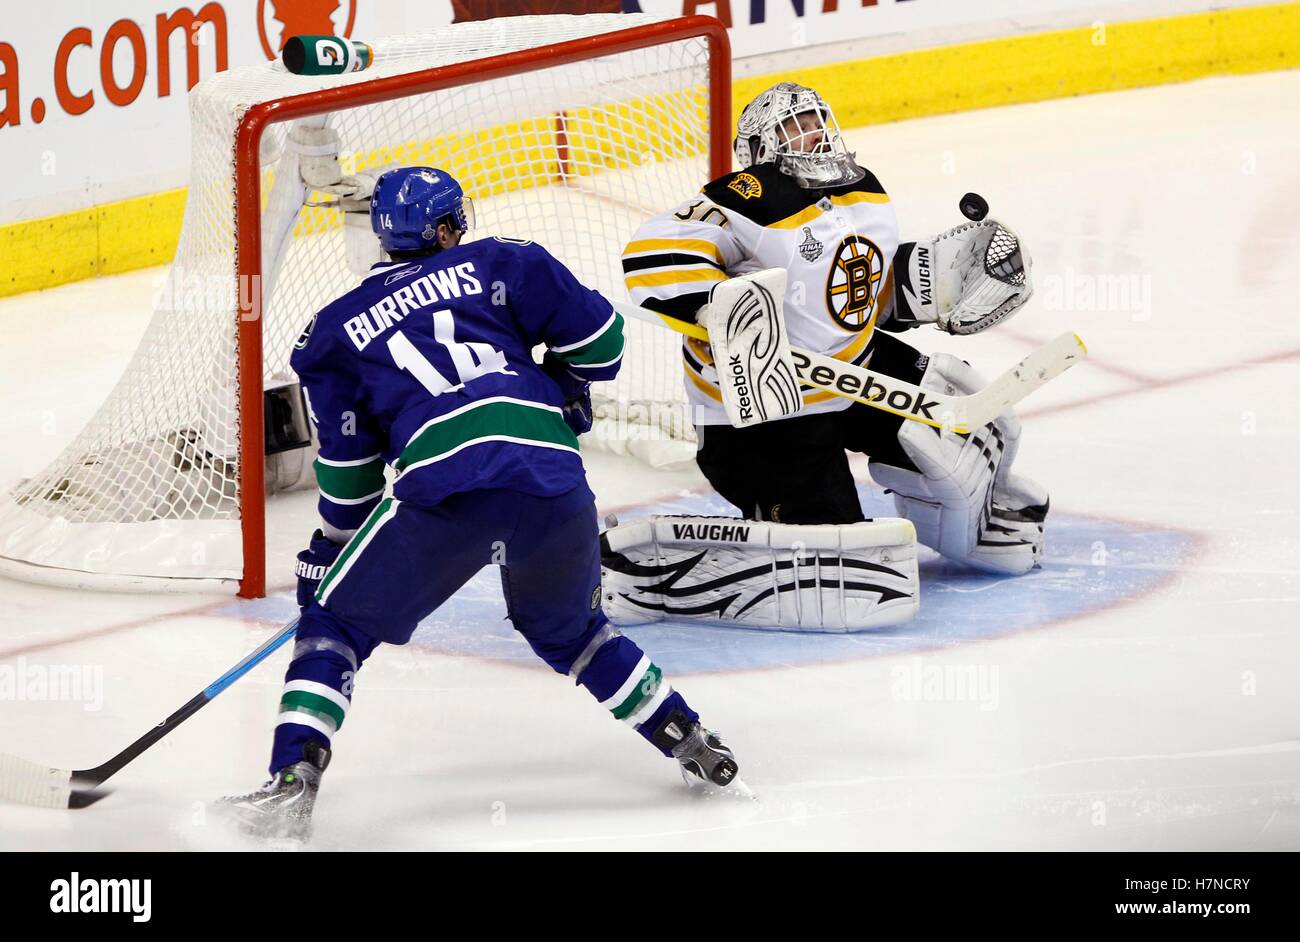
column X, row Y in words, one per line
column 354, row 193
column 953, row 376
column 727, row 571
column 964, row 502
column 317, row 148
column 751, row 348
column 318, row 153
column 313, row 140
column 360, row 244
column 969, row 278
column 1012, row 540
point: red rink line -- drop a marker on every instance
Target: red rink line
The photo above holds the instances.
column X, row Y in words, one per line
column 198, row 611
column 1153, row 384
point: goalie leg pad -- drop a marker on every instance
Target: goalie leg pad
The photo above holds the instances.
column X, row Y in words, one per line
column 727, row 571
column 962, row 497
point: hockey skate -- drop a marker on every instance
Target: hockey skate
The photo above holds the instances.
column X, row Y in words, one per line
column 704, row 758
column 281, row 809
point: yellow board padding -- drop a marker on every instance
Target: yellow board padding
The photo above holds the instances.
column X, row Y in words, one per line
column 1058, row 64
column 525, row 154
column 137, row 233
column 107, row 239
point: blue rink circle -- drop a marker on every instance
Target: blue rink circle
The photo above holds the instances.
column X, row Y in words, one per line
column 1090, row 565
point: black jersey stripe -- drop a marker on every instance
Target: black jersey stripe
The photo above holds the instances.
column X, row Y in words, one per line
column 683, row 307
column 667, row 260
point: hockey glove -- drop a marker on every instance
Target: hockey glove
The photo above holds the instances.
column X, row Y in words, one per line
column 576, row 392
column 964, row 280
column 313, row 563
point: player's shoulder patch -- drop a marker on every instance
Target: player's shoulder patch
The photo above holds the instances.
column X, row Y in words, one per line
column 762, row 194
column 306, row 333
column 747, row 185
column 509, row 241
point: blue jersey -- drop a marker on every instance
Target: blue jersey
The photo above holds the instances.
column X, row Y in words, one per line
column 427, row 366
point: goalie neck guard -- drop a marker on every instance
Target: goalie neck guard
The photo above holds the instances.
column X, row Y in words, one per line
column 790, row 125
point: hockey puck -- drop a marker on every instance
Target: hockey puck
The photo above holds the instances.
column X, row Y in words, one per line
column 974, row 207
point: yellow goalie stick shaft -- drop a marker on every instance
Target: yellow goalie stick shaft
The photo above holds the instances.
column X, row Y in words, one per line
column 955, row 413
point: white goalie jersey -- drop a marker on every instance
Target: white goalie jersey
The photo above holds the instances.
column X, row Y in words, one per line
column 837, row 245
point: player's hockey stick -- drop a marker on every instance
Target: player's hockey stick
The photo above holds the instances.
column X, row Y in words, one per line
column 31, row 784
column 955, row 413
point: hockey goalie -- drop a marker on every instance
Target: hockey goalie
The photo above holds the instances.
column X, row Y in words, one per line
column 801, row 248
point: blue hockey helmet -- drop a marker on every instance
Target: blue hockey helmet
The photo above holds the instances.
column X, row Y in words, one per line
column 408, row 203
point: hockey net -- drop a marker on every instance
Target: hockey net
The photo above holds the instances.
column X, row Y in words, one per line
column 568, row 130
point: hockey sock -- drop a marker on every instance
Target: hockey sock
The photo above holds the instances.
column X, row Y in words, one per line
column 318, row 684
column 630, row 685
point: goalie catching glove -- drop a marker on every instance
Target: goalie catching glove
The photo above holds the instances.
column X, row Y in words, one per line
column 964, row 280
column 728, row 571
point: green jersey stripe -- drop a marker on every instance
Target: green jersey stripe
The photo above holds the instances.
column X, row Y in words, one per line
column 353, row 546
column 603, row 349
column 352, row 482
column 514, row 420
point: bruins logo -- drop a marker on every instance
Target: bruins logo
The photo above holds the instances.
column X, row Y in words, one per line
column 747, row 185
column 853, row 287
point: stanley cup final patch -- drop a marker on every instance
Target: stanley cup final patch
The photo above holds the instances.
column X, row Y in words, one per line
column 810, row 248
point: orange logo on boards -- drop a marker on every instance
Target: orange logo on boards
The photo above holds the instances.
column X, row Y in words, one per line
column 277, row 20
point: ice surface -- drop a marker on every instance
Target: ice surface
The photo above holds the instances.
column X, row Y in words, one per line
column 1138, row 692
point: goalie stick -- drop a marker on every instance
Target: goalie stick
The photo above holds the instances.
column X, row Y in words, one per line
column 31, row 784
column 958, row 414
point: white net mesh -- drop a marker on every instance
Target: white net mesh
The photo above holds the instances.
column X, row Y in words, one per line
column 573, row 156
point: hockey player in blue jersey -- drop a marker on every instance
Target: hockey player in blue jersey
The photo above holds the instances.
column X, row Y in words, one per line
column 427, row 367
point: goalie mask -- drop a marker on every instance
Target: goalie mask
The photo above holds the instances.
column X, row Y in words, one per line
column 790, row 125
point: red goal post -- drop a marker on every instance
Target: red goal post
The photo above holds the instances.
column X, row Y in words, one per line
column 248, row 209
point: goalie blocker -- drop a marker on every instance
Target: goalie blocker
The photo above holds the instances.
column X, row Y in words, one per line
column 751, row 574
column 756, row 373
